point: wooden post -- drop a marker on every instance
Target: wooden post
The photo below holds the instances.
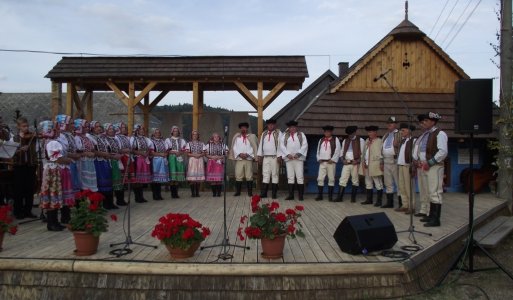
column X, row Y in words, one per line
column 70, row 93
column 56, row 98
column 260, row 107
column 146, row 112
column 131, row 105
column 89, row 106
column 195, row 105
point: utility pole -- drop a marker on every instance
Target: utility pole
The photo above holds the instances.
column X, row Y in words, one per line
column 505, row 161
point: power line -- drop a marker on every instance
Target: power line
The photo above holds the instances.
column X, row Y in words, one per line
column 446, row 19
column 456, row 23
column 462, row 25
column 438, row 19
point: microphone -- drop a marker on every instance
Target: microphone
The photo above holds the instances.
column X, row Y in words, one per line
column 382, row 75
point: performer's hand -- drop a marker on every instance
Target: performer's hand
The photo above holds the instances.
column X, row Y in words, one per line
column 290, row 156
column 24, row 148
column 425, row 166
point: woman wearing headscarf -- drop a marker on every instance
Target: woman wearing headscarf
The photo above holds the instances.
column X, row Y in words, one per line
column 195, row 168
column 126, row 165
column 216, row 152
column 115, row 152
column 159, row 163
column 176, row 147
column 141, row 147
column 86, row 147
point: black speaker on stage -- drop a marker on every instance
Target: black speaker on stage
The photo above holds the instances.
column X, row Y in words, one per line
column 474, row 104
column 365, row 233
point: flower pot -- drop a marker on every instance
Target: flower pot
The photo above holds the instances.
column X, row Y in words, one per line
column 180, row 253
column 86, row 243
column 273, row 249
column 1, row 239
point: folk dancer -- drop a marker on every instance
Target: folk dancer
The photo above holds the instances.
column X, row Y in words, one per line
column 390, row 150
column 430, row 152
column 25, row 166
column 196, row 166
column 294, row 148
column 244, row 150
column 370, row 165
column 159, row 163
column 328, row 152
column 269, row 157
column 141, row 146
column 404, row 159
column 176, row 147
column 350, row 154
column 116, row 165
column 216, row 151
column 126, row 165
column 85, row 146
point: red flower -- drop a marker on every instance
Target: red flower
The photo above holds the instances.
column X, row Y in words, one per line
column 300, row 207
column 243, row 219
column 274, row 206
column 188, row 234
column 13, row 230
column 89, row 226
column 205, row 232
column 291, row 228
column 280, row 217
column 239, row 234
column 114, row 218
column 290, row 211
column 95, row 197
column 93, row 206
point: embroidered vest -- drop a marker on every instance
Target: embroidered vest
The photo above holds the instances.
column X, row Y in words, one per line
column 276, row 134
column 299, row 136
column 333, row 145
column 431, row 147
column 357, row 152
column 407, row 150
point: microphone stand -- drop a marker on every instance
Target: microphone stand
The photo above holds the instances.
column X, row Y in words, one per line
column 225, row 244
column 411, row 228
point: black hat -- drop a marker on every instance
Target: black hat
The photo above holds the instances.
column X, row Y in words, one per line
column 351, row 129
column 270, row 121
column 291, row 123
column 405, row 125
column 391, row 119
column 372, row 128
column 244, row 124
column 328, row 128
column 430, row 115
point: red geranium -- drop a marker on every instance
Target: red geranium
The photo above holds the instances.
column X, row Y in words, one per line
column 179, row 230
column 88, row 213
column 6, row 220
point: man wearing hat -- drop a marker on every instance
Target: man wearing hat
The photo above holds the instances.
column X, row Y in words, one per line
column 350, row 155
column 328, row 150
column 243, row 152
column 429, row 154
column 390, row 150
column 269, row 155
column 294, row 148
column 371, row 165
column 404, row 159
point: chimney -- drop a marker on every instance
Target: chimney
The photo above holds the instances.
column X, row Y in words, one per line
column 343, row 67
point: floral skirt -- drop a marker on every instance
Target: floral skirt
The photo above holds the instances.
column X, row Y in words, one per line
column 176, row 168
column 160, row 169
column 142, row 170
column 103, row 175
column 117, row 183
column 215, row 170
column 195, row 169
column 88, row 174
column 74, row 168
column 68, row 195
column 51, row 188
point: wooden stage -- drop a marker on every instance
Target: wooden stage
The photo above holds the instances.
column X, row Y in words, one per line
column 40, row 263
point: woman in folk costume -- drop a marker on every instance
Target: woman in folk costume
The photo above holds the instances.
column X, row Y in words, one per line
column 215, row 151
column 121, row 131
column 176, row 147
column 102, row 164
column 115, row 160
column 51, row 186
column 86, row 147
column 141, row 147
column 160, row 163
column 195, row 168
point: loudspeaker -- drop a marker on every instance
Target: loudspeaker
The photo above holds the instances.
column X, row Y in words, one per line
column 474, row 104
column 365, row 233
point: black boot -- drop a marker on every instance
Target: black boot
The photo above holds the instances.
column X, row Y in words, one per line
column 429, row 216
column 238, row 187
column 274, row 189
column 319, row 193
column 214, row 190
column 399, row 202
column 138, row 192
column 174, row 191
column 197, row 189
column 249, row 185
column 219, row 189
column 340, row 196
column 141, row 194
column 108, row 202
column 379, row 197
column 120, row 198
column 65, row 215
column 369, row 197
column 154, row 191
column 193, row 190
column 390, row 201
column 435, row 216
column 330, row 194
column 291, row 192
column 301, row 191
column 265, row 188
column 52, row 223
column 159, row 191
column 354, row 191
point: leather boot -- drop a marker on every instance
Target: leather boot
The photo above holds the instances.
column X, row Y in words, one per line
column 319, row 193
column 108, row 202
column 354, row 191
column 141, row 194
column 265, row 188
column 249, row 185
column 52, row 222
column 390, row 201
column 159, row 191
column 154, row 191
column 275, row 190
column 399, row 201
column 197, row 184
column 340, row 196
column 65, row 215
column 330, row 194
column 301, row 191
column 238, row 186
column 174, row 192
column 291, row 192
column 120, row 198
column 435, row 216
column 369, row 197
column 379, row 197
column 193, row 188
column 429, row 216
column 214, row 190
column 219, row 189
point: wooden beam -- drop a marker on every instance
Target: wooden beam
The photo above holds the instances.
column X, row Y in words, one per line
column 274, row 93
column 260, row 107
column 246, row 93
column 89, row 105
column 195, row 105
column 119, row 93
column 56, row 98
column 145, row 91
column 158, row 99
column 70, row 92
column 79, row 112
column 146, row 112
column 131, row 101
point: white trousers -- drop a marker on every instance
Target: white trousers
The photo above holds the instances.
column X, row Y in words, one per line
column 349, row 171
column 326, row 169
column 390, row 175
column 404, row 185
column 270, row 169
column 294, row 171
column 244, row 168
column 374, row 181
column 430, row 186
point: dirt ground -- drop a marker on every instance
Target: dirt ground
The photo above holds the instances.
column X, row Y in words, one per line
column 491, row 284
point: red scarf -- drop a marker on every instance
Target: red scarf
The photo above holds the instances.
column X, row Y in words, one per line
column 326, row 142
column 244, row 138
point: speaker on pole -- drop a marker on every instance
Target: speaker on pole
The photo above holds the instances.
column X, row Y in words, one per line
column 474, row 104
column 365, row 233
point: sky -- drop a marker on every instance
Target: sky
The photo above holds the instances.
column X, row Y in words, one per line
column 325, row 32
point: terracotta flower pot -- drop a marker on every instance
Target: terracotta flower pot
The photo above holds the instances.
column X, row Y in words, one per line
column 273, row 249
column 86, row 243
column 1, row 239
column 180, row 253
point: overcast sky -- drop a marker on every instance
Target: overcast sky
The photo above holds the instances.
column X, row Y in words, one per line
column 326, row 32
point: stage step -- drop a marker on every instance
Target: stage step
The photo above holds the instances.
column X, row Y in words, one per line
column 491, row 234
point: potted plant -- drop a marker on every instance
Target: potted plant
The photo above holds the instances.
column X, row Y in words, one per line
column 271, row 226
column 180, row 233
column 88, row 221
column 6, row 223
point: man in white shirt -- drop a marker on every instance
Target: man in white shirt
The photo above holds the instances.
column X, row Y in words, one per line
column 294, row 148
column 328, row 149
column 430, row 152
column 350, row 154
column 269, row 157
column 244, row 153
column 391, row 141
column 404, row 168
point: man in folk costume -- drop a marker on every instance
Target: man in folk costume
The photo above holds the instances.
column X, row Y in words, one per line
column 404, row 159
column 371, row 165
column 430, row 152
column 269, row 156
column 244, row 150
column 390, row 150
column 350, row 154
column 328, row 150
column 294, row 148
